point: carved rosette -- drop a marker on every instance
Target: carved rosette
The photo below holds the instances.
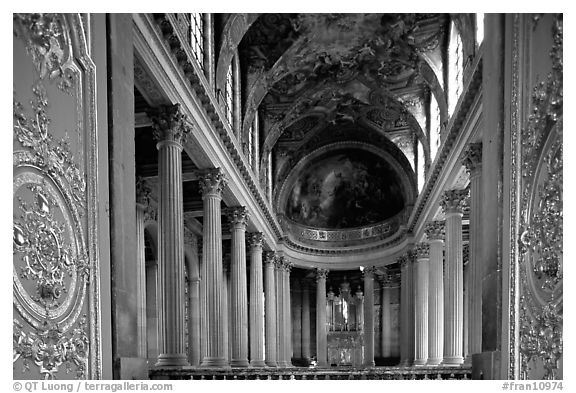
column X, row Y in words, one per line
column 435, row 230
column 454, row 201
column 169, row 124
column 472, row 158
column 238, row 217
column 212, row 182
column 255, row 239
column 321, row 274
column 422, row 251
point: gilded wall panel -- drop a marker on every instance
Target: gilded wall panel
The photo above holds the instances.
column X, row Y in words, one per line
column 55, row 271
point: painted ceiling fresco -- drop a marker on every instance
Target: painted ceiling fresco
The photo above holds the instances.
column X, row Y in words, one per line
column 345, row 189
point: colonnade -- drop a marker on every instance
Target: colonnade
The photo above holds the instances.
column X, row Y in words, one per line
column 253, row 326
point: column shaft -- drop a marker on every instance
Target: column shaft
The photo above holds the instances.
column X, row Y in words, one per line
column 194, row 319
column 386, row 325
column 212, row 182
column 436, row 302
column 321, row 338
column 256, row 302
column 369, row 317
column 270, row 311
column 421, row 304
column 453, row 279
column 171, row 255
column 287, row 316
column 404, row 311
column 141, row 282
column 305, row 321
column 238, row 218
column 280, row 323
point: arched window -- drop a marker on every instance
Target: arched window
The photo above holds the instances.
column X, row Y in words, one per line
column 229, row 96
column 197, row 37
column 479, row 28
column 420, row 166
column 434, row 127
column 455, row 68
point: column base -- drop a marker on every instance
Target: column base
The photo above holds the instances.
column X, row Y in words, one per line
column 452, row 361
column 271, row 363
column 434, row 361
column 172, row 359
column 420, row 362
column 239, row 363
column 257, row 363
column 209, row 362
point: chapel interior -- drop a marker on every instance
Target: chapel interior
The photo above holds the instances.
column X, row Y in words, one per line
column 287, row 196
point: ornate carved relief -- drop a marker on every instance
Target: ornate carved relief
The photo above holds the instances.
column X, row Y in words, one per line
column 238, row 217
column 169, row 123
column 435, row 230
column 212, row 181
column 541, row 225
column 48, row 43
column 56, row 320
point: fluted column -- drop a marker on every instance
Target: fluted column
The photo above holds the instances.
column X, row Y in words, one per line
column 452, row 204
column 287, row 307
column 193, row 300
column 141, row 208
column 255, row 241
column 421, row 303
column 170, row 129
column 306, row 320
column 369, row 316
column 406, row 311
column 386, row 316
column 212, row 182
column 473, row 162
column 435, row 234
column 321, row 338
column 270, row 309
column 280, row 322
column 238, row 218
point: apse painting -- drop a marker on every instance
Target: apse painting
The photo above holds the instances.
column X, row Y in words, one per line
column 345, row 189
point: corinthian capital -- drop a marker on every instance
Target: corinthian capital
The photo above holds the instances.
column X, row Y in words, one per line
column 369, row 272
column 435, row 230
column 238, row 217
column 255, row 239
column 269, row 258
column 321, row 274
column 212, row 181
column 422, row 250
column 169, row 123
column 453, row 201
column 472, row 158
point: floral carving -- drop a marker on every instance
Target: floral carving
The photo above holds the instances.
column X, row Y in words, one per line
column 50, row 347
column 238, row 216
column 48, row 45
column 255, row 239
column 212, row 181
column 454, row 201
column 54, row 156
column 39, row 237
column 422, row 250
column 435, row 230
column 321, row 274
column 472, row 159
column 169, row 123
column 541, row 223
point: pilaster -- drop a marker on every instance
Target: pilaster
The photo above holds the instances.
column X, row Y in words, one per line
column 321, row 338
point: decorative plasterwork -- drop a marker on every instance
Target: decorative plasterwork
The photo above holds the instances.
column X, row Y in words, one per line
column 238, row 217
column 541, row 223
column 422, row 250
column 435, row 230
column 56, row 319
column 472, row 158
column 212, row 182
column 169, row 123
column 48, row 43
column 454, row 201
column 255, row 239
column 321, row 274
